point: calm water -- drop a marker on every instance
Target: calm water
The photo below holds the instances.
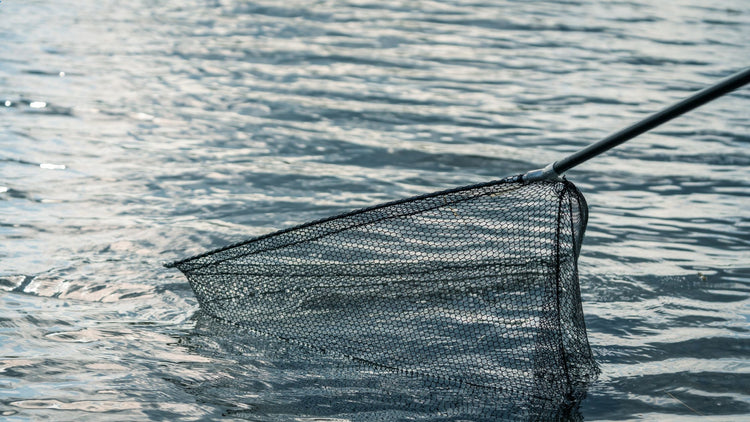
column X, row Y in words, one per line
column 133, row 133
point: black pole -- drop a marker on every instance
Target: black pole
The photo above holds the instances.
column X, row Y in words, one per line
column 696, row 100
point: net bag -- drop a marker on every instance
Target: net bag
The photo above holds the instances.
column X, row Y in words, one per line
column 475, row 288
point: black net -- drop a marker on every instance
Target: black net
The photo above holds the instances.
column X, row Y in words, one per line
column 473, row 289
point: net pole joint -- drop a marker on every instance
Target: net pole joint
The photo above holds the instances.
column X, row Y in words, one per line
column 546, row 173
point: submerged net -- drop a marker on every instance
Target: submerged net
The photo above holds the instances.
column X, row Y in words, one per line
column 473, row 289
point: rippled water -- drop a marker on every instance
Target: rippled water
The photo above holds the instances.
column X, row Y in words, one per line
column 133, row 133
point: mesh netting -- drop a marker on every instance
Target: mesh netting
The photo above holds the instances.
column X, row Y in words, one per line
column 473, row 288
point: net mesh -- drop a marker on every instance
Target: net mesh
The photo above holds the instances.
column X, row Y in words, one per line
column 473, row 288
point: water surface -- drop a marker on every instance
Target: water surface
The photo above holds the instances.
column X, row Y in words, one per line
column 141, row 132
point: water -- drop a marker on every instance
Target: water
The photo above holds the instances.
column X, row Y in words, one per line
column 141, row 132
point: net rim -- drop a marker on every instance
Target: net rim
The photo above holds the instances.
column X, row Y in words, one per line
column 511, row 179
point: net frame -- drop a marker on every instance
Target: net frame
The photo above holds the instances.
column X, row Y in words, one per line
column 502, row 254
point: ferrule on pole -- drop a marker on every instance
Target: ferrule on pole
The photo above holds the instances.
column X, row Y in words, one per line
column 546, row 173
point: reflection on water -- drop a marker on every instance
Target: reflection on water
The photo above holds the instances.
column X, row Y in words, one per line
column 136, row 133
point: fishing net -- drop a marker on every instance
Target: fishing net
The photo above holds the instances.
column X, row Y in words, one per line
column 473, row 289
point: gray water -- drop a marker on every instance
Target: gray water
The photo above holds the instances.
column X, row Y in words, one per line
column 134, row 133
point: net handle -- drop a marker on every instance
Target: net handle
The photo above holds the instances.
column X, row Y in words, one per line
column 701, row 97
